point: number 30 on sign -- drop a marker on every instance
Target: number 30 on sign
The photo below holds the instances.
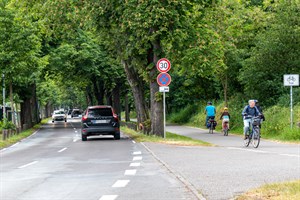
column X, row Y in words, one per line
column 163, row 65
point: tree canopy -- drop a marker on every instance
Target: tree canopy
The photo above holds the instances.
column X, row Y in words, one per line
column 81, row 53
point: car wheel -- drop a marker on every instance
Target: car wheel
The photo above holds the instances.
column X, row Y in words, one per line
column 65, row 120
column 52, row 121
column 117, row 136
column 83, row 137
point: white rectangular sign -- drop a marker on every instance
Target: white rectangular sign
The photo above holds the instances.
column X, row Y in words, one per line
column 291, row 80
column 163, row 89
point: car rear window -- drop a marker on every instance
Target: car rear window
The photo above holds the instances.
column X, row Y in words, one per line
column 59, row 112
column 100, row 112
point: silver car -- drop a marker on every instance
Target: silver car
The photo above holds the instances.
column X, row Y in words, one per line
column 59, row 115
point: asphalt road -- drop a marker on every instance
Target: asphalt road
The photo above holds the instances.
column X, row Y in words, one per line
column 229, row 169
column 54, row 164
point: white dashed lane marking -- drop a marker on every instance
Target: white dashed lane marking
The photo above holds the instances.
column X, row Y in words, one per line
column 62, row 150
column 32, row 163
column 121, row 183
column 133, row 142
column 108, row 197
column 137, row 158
column 130, row 172
column 137, row 153
column 135, row 164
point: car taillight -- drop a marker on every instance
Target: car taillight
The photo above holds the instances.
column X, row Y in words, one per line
column 116, row 118
column 84, row 117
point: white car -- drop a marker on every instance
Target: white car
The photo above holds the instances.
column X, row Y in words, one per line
column 59, row 115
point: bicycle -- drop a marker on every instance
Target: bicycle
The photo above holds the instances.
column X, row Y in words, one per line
column 225, row 128
column 211, row 125
column 254, row 132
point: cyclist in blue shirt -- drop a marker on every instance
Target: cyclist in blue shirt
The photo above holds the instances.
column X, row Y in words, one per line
column 210, row 112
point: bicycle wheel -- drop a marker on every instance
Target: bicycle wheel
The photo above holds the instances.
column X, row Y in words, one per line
column 211, row 129
column 225, row 131
column 247, row 141
column 256, row 137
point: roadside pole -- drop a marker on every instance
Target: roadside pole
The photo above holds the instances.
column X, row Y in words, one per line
column 163, row 80
column 291, row 80
column 291, row 94
column 164, row 105
column 3, row 90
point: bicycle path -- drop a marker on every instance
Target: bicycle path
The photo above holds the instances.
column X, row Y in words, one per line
column 229, row 168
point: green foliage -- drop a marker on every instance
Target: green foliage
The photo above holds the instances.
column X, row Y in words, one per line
column 276, row 126
column 184, row 114
column 5, row 124
column 276, row 53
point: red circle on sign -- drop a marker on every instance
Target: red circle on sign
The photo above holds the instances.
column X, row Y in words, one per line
column 163, row 65
column 163, row 79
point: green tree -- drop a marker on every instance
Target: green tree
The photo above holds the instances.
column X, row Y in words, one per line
column 276, row 52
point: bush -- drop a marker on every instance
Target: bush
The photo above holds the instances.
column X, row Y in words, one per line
column 5, row 124
column 276, row 126
column 184, row 115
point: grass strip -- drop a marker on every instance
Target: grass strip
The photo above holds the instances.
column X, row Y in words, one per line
column 171, row 138
column 276, row 191
column 16, row 138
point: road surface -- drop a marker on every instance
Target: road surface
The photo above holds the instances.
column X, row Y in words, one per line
column 54, row 164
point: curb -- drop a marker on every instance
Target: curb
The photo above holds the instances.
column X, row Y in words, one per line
column 188, row 185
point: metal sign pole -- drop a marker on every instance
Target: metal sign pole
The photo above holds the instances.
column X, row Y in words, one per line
column 291, row 106
column 164, row 105
column 3, row 89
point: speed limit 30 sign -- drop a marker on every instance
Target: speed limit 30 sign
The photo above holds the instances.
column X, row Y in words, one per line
column 163, row 65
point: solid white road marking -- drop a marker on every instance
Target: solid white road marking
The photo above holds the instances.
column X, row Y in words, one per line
column 121, row 183
column 137, row 153
column 137, row 158
column 135, row 164
column 108, row 197
column 251, row 150
column 130, row 172
column 32, row 163
column 291, row 155
column 259, row 151
column 15, row 144
column 62, row 150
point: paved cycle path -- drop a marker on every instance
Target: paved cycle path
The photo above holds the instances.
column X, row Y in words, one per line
column 228, row 169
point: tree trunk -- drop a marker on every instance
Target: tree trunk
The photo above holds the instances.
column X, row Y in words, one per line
column 98, row 90
column 136, row 84
column 157, row 120
column 116, row 100
column 89, row 96
column 11, row 96
column 224, row 82
column 34, row 106
column 26, row 115
column 127, row 114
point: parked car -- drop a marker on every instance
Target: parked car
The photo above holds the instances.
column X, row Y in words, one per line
column 59, row 115
column 100, row 120
column 76, row 113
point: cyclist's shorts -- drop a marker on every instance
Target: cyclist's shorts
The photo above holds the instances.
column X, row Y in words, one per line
column 225, row 120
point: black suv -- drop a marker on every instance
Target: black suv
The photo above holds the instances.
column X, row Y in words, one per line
column 99, row 120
